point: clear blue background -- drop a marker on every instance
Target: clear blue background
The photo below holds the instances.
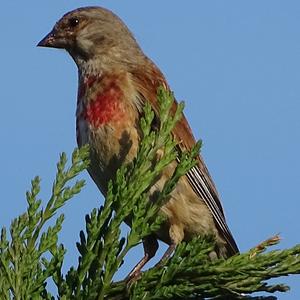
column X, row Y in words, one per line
column 235, row 63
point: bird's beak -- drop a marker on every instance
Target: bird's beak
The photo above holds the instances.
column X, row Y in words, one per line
column 53, row 40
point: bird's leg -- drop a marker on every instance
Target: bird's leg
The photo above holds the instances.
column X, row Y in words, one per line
column 166, row 255
column 150, row 245
column 176, row 234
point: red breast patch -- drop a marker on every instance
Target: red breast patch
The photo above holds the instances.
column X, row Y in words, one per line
column 106, row 107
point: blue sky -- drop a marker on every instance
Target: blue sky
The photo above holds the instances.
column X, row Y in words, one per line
column 235, row 63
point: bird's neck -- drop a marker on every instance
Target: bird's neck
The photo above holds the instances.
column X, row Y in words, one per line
column 91, row 67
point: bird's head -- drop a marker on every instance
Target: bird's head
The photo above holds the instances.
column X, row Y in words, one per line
column 91, row 33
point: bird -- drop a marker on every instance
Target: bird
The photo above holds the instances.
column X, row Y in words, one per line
column 115, row 80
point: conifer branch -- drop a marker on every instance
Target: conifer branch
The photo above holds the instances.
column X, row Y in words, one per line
column 30, row 253
column 24, row 267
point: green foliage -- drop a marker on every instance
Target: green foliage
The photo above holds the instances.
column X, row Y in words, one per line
column 31, row 254
column 24, row 267
column 190, row 272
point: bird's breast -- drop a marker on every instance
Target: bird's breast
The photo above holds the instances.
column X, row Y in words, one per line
column 103, row 103
column 107, row 121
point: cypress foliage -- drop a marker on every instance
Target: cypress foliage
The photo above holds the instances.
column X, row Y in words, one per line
column 30, row 254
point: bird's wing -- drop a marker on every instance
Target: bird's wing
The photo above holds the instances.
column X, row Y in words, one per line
column 147, row 82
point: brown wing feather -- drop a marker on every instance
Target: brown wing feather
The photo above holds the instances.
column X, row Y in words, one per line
column 147, row 83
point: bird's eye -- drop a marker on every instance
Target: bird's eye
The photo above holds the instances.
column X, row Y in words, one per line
column 73, row 22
